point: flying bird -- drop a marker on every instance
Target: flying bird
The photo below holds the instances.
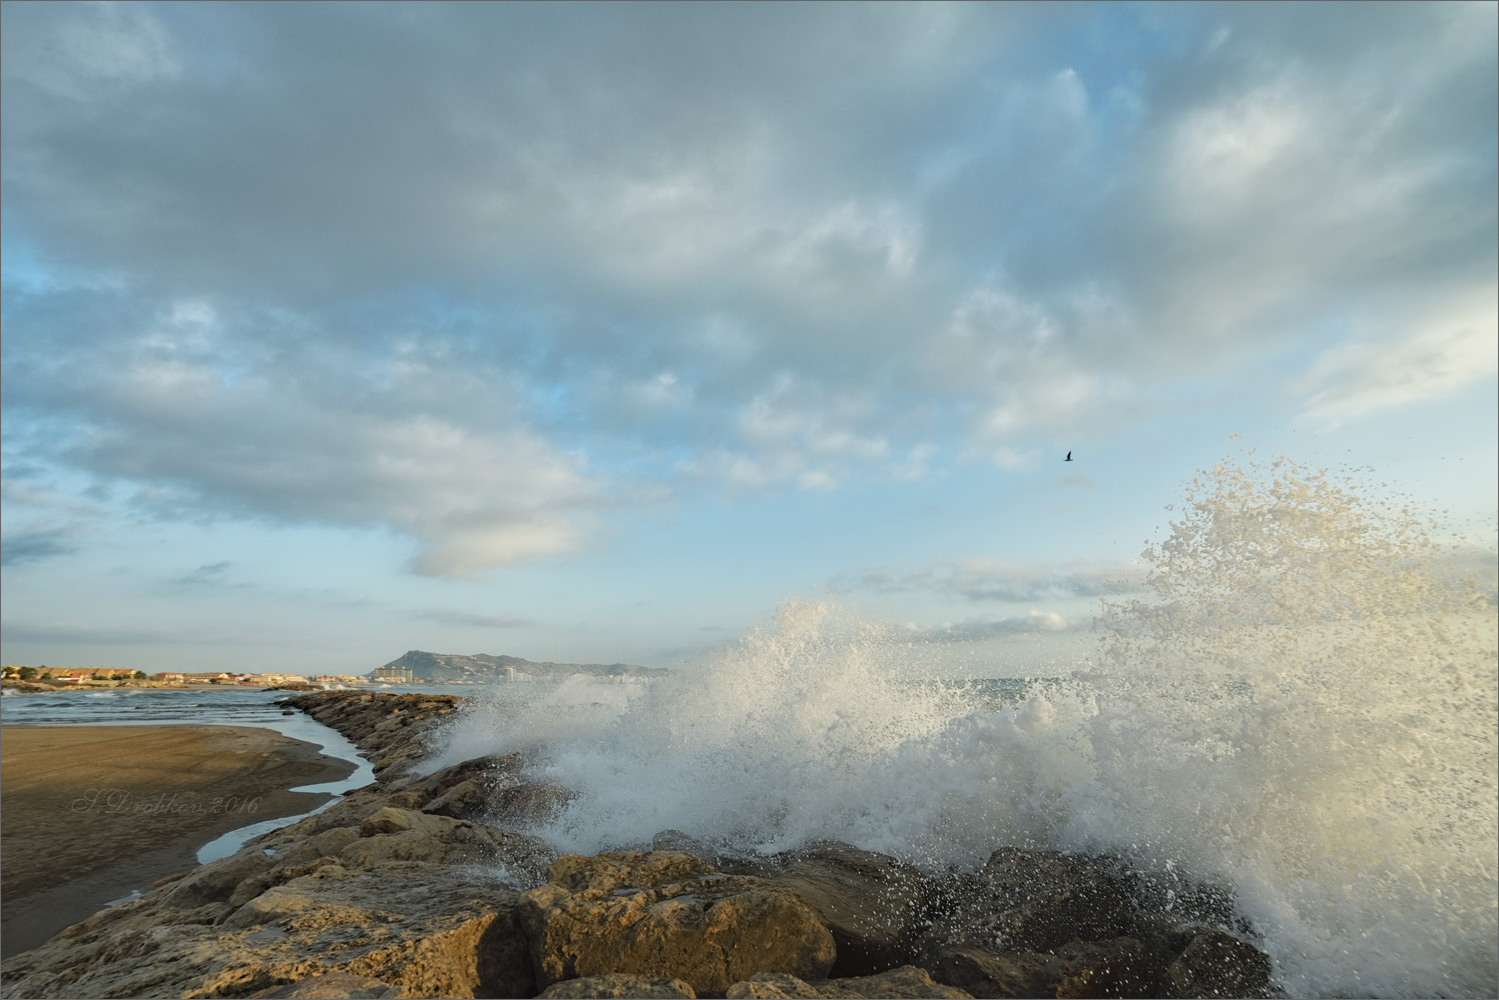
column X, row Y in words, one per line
column 1068, row 458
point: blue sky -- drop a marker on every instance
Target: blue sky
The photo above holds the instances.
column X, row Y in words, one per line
column 592, row 332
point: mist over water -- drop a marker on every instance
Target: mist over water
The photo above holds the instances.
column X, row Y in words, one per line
column 1302, row 705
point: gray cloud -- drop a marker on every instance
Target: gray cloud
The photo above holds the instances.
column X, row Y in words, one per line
column 20, row 547
column 35, row 632
column 470, row 620
column 436, row 268
column 209, row 574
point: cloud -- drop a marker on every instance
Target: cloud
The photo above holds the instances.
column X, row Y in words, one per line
column 35, row 632
column 476, row 273
column 21, row 547
column 987, row 580
column 88, row 52
column 207, row 575
column 210, row 420
column 469, row 620
column 1432, row 356
column 977, row 630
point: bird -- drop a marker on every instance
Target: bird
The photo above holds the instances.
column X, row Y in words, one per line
column 1068, row 458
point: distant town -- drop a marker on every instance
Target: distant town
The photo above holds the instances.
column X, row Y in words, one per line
column 117, row 675
column 415, row 667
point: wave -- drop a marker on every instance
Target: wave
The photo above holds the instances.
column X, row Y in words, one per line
column 1303, row 706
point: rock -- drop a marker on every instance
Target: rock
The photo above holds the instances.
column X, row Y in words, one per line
column 216, row 883
column 1217, row 964
column 868, row 901
column 617, row 984
column 676, row 840
column 668, row 914
column 421, row 837
column 906, row 981
column 986, row 974
column 1116, row 967
column 337, row 986
column 1027, row 901
column 425, row 929
column 465, row 800
column 527, row 804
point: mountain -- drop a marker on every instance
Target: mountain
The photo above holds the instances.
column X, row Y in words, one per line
column 449, row 668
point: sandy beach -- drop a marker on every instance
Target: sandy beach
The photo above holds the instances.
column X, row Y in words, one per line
column 90, row 813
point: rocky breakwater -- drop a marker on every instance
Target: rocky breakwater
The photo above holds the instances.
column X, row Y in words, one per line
column 392, row 730
column 425, row 885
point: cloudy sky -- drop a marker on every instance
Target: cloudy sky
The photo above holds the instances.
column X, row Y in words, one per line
column 591, row 332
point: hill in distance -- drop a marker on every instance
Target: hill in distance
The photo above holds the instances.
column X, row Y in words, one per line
column 453, row 668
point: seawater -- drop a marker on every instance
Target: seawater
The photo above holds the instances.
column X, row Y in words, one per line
column 1301, row 703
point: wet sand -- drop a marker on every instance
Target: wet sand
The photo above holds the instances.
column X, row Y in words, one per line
column 90, row 813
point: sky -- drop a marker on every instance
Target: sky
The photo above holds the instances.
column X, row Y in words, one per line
column 595, row 332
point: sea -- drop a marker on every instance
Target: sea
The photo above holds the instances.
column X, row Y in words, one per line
column 1300, row 703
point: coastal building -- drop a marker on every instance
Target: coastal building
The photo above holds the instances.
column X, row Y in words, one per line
column 392, row 675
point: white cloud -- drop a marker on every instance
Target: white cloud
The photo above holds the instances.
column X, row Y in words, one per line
column 978, row 629
column 1433, row 355
column 303, row 436
column 980, row 579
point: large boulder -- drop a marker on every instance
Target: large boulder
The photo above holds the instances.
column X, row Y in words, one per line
column 415, row 900
column 1117, row 967
column 668, row 914
column 1217, row 964
column 868, row 902
column 1028, row 901
column 426, row 930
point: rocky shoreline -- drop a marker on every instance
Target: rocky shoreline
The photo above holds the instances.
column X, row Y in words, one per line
column 425, row 885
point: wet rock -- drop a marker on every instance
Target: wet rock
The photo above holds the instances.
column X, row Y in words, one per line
column 617, row 984
column 668, row 914
column 676, row 840
column 527, row 804
column 1116, row 967
column 1027, row 901
column 868, row 901
column 1217, row 964
column 906, row 981
column 987, row 974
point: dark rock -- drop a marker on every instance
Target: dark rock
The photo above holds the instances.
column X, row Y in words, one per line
column 1217, row 964
column 1117, row 967
column 987, row 974
column 906, row 981
column 616, row 984
column 668, row 914
column 1027, row 901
